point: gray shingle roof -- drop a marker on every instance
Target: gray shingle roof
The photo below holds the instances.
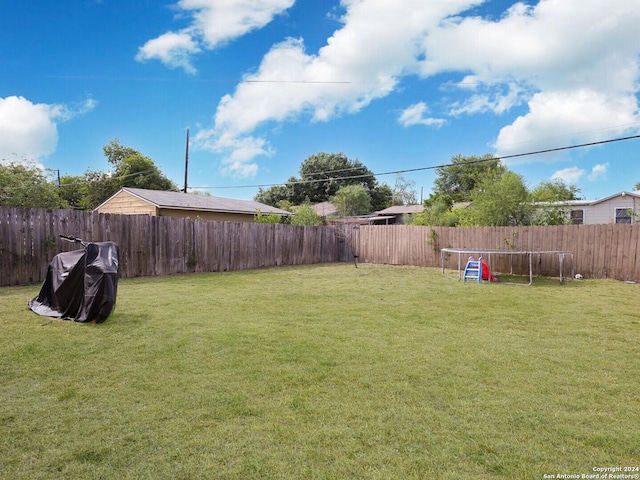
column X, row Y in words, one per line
column 401, row 210
column 189, row 201
column 581, row 203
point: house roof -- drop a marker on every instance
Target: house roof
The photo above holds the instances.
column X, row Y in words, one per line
column 190, row 201
column 325, row 209
column 582, row 203
column 401, row 210
column 623, row 194
column 360, row 220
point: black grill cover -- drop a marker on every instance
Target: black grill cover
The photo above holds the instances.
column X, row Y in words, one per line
column 81, row 285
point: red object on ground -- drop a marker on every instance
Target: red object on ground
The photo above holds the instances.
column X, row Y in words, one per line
column 486, row 273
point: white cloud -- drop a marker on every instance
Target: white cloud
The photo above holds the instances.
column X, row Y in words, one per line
column 570, row 65
column 574, row 61
column 415, row 115
column 29, row 131
column 172, row 49
column 212, row 23
column 599, row 171
column 554, row 41
column 219, row 21
column 240, row 163
column 572, row 175
column 569, row 175
column 496, row 100
column 559, row 118
column 361, row 62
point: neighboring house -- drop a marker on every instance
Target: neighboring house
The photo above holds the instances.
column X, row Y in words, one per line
column 622, row 207
column 138, row 201
column 359, row 220
column 388, row 216
column 396, row 214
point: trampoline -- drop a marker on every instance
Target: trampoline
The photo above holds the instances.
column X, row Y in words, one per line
column 487, row 253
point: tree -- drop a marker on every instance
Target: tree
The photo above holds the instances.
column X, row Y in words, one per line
column 260, row 217
column 97, row 188
column 285, row 205
column 637, row 187
column 73, row 190
column 404, row 191
column 306, row 215
column 460, row 182
column 352, row 200
column 546, row 195
column 203, row 193
column 501, row 202
column 554, row 191
column 274, row 195
column 456, row 182
column 381, row 197
column 130, row 169
column 26, row 185
column 327, row 173
column 321, row 176
column 438, row 214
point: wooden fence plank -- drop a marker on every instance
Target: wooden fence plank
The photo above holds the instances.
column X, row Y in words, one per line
column 9, row 250
column 634, row 254
column 623, row 254
column 5, row 265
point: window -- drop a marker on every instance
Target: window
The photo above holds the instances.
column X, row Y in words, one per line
column 577, row 217
column 623, row 215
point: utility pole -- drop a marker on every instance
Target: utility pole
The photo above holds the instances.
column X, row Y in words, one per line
column 186, row 163
column 58, row 183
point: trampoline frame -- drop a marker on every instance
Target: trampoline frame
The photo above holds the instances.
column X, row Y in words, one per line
column 562, row 254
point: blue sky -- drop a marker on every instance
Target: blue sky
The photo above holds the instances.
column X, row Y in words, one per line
column 263, row 84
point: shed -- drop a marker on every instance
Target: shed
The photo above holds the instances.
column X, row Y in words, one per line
column 138, row 201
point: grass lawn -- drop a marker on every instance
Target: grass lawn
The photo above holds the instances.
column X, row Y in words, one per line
column 324, row 372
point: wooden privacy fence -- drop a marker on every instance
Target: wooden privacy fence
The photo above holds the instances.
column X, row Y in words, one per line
column 29, row 239
column 600, row 251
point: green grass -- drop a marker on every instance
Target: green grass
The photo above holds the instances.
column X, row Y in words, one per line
column 324, row 372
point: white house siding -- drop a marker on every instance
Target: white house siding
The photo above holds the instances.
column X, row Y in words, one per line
column 605, row 211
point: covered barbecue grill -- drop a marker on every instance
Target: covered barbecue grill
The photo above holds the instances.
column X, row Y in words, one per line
column 81, row 285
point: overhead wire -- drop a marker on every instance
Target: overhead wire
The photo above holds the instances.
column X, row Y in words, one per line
column 218, row 80
column 379, row 174
column 76, row 182
column 432, row 167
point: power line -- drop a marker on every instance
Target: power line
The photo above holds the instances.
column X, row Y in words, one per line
column 367, row 175
column 580, row 132
column 418, row 169
column 77, row 182
column 220, row 80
